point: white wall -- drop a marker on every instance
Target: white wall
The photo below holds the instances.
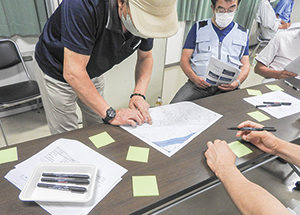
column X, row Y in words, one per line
column 295, row 17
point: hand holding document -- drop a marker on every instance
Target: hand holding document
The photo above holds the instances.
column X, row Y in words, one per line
column 219, row 72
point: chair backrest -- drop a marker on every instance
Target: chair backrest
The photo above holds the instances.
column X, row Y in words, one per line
column 10, row 55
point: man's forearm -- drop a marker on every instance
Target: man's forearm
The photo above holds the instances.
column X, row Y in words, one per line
column 143, row 73
column 288, row 151
column 248, row 197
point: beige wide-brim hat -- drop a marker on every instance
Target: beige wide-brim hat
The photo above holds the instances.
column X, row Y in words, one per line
column 154, row 18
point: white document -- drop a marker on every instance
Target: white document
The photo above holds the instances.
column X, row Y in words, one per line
column 276, row 96
column 174, row 126
column 219, row 72
column 70, row 151
column 294, row 66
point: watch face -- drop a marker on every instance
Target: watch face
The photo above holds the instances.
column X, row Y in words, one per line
column 111, row 113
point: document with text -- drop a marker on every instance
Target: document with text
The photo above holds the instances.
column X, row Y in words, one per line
column 70, row 151
column 277, row 97
column 174, row 126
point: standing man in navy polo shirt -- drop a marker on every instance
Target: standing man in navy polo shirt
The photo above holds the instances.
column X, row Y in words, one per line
column 85, row 38
column 221, row 38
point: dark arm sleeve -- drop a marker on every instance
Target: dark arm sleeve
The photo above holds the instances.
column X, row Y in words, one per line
column 190, row 41
column 146, row 44
column 78, row 26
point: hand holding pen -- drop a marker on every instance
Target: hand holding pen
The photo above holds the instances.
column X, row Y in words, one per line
column 258, row 136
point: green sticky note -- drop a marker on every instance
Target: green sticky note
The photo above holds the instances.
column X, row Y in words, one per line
column 8, row 155
column 144, row 186
column 258, row 116
column 138, row 154
column 274, row 87
column 101, row 139
column 254, row 92
column 239, row 149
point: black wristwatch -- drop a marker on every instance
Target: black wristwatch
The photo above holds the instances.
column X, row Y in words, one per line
column 110, row 114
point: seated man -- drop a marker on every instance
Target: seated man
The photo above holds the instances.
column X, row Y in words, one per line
column 281, row 50
column 284, row 10
column 248, row 197
column 221, row 38
column 269, row 23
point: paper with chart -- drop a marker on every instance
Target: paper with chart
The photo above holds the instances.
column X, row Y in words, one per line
column 276, row 96
column 70, row 151
column 174, row 126
column 219, row 72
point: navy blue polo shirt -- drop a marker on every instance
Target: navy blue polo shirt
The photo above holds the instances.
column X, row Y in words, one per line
column 88, row 27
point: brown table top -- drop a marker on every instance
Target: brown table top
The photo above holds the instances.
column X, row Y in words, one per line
column 182, row 173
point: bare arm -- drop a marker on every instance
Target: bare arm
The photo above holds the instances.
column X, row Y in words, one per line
column 242, row 76
column 266, row 72
column 268, row 143
column 143, row 72
column 248, row 197
column 187, row 69
column 76, row 75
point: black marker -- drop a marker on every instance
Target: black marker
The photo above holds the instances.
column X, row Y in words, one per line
column 62, row 175
column 63, row 188
column 281, row 103
column 270, row 105
column 289, row 84
column 253, row 129
column 66, row 180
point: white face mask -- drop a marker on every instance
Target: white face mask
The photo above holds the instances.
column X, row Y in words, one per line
column 224, row 19
column 271, row 1
column 130, row 27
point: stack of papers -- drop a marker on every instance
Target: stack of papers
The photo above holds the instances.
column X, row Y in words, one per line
column 70, row 151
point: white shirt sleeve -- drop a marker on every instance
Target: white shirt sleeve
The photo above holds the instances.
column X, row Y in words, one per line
column 267, row 55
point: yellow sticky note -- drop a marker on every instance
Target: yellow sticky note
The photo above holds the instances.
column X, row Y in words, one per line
column 239, row 149
column 274, row 87
column 144, row 186
column 101, row 139
column 260, row 117
column 254, row 92
column 8, row 155
column 138, row 154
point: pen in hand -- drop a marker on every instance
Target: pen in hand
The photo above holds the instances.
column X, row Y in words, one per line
column 271, row 129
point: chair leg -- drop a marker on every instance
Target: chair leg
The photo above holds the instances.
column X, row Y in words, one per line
column 38, row 105
column 256, row 47
column 2, row 130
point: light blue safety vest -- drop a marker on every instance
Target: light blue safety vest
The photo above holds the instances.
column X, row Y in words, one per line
column 230, row 50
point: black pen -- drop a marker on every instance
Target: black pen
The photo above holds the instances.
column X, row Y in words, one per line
column 66, row 180
column 289, row 84
column 269, row 105
column 63, row 187
column 62, row 175
column 281, row 103
column 253, row 129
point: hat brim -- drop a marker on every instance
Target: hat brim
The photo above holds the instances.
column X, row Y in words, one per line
column 152, row 26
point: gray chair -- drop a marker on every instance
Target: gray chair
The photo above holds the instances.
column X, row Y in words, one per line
column 261, row 41
column 16, row 93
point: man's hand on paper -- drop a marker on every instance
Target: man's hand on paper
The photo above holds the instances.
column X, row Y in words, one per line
column 285, row 74
column 139, row 103
column 127, row 117
column 200, row 82
column 228, row 87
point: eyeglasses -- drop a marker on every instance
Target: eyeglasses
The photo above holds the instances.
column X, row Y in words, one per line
column 223, row 10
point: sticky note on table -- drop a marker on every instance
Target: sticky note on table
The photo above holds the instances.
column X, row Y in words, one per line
column 139, row 154
column 8, row 155
column 101, row 139
column 254, row 92
column 260, row 117
column 144, row 186
column 274, row 87
column 239, row 149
